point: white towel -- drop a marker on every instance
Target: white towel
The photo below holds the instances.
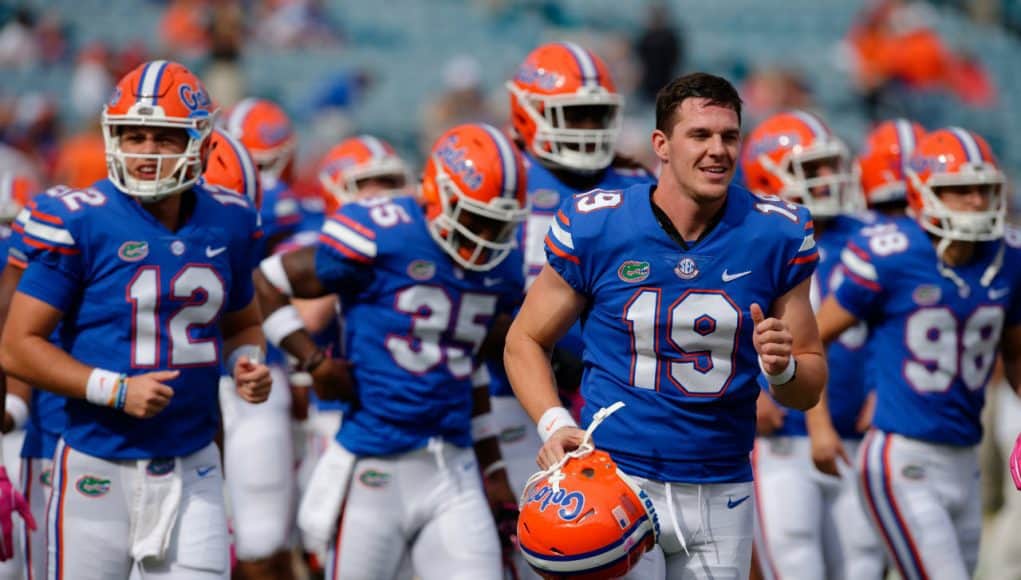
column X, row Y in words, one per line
column 154, row 511
column 324, row 495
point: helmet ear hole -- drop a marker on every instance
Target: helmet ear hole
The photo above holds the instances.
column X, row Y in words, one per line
column 588, row 472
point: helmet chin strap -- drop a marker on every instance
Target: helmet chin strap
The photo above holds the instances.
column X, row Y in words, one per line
column 963, row 289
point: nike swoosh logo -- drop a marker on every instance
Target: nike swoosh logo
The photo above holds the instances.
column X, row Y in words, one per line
column 212, row 252
column 204, row 471
column 728, row 277
column 998, row 293
column 731, row 503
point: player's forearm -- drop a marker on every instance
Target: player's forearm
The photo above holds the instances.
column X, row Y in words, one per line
column 248, row 335
column 36, row 361
column 818, row 419
column 804, row 390
column 530, row 373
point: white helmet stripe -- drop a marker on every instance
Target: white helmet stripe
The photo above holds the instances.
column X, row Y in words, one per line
column 6, row 188
column 814, row 124
column 906, row 137
column 148, row 86
column 375, row 147
column 589, row 72
column 509, row 168
column 971, row 147
column 238, row 115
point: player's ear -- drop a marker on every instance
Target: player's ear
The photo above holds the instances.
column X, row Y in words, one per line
column 661, row 145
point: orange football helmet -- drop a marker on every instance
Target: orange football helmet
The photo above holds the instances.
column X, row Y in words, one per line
column 15, row 191
column 586, row 520
column 955, row 157
column 473, row 190
column 164, row 94
column 783, row 156
column 565, row 107
column 358, row 159
column 267, row 132
column 880, row 167
column 231, row 167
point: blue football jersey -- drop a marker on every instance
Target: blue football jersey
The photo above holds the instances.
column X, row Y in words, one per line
column 414, row 322
column 281, row 212
column 668, row 330
column 846, row 388
column 138, row 298
column 933, row 345
column 546, row 192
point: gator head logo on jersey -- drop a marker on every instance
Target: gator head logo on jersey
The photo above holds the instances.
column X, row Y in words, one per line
column 92, row 486
column 133, row 251
column 373, row 478
column 421, row 270
column 633, row 271
column 592, row 518
column 473, row 191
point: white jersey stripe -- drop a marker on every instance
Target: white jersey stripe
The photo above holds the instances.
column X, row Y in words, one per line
column 561, row 235
column 858, row 266
column 807, row 244
column 350, row 238
column 49, row 233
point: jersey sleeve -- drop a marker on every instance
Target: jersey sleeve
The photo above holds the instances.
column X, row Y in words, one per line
column 281, row 214
column 804, row 255
column 17, row 253
column 562, row 254
column 56, row 268
column 859, row 290
column 346, row 251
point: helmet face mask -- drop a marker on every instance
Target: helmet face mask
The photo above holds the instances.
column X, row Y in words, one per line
column 565, row 108
column 956, row 160
column 165, row 95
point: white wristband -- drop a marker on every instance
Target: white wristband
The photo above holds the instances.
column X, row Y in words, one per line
column 273, row 269
column 553, row 419
column 300, row 379
column 105, row 388
column 784, row 376
column 252, row 351
column 494, row 467
column 281, row 324
column 483, row 427
column 17, row 408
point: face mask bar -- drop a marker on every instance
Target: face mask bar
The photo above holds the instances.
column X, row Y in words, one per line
column 826, row 196
column 968, row 226
column 348, row 190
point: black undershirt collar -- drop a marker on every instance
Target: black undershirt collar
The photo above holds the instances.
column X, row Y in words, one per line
column 668, row 226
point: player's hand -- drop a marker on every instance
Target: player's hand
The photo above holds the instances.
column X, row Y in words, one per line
column 563, row 440
column 868, row 408
column 504, row 507
column 11, row 501
column 332, row 380
column 772, row 341
column 1015, row 463
column 827, row 449
column 147, row 394
column 252, row 380
column 768, row 415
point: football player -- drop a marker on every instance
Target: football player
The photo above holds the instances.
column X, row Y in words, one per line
column 688, row 289
column 421, row 282
column 880, row 165
column 566, row 116
column 794, row 156
column 148, row 309
column 939, row 290
column 259, row 452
